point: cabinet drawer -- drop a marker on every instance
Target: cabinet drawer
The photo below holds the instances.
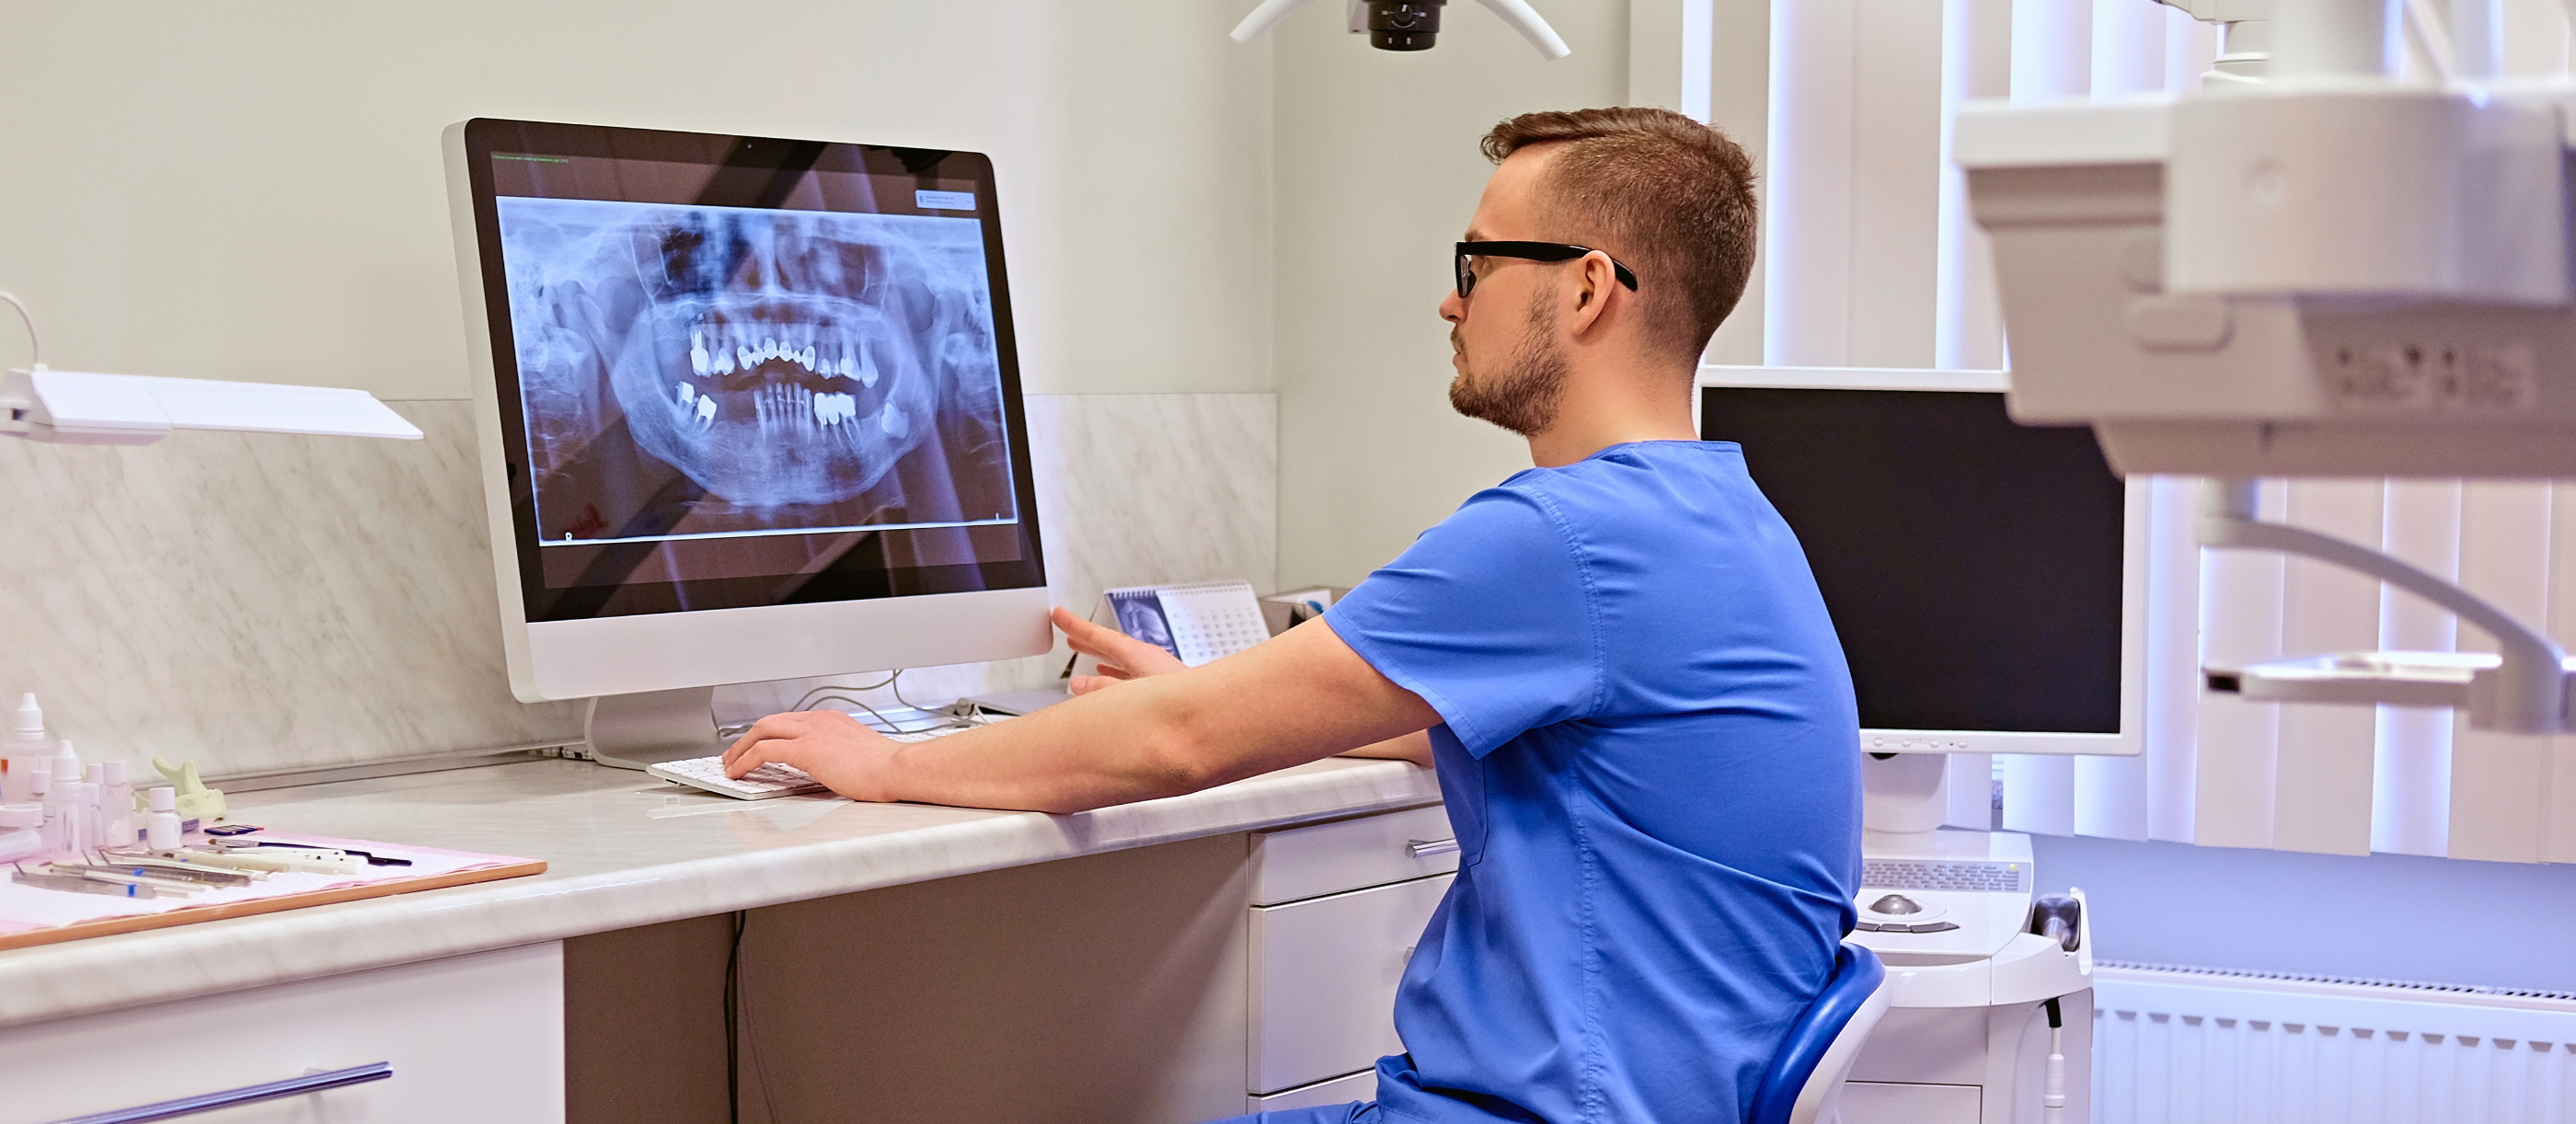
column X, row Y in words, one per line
column 1324, row 973
column 1874, row 1102
column 1328, row 858
column 475, row 1038
column 1361, row 1086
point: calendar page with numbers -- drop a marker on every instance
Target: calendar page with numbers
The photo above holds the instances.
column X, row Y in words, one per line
column 1198, row 622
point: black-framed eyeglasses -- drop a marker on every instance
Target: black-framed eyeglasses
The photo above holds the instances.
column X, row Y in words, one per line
column 1528, row 251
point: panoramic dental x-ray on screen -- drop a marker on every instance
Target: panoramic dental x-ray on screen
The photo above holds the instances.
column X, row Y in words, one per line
column 783, row 362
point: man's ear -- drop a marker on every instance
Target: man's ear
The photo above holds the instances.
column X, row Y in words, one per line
column 1594, row 279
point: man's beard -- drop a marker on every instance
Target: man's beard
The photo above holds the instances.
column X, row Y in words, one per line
column 1524, row 395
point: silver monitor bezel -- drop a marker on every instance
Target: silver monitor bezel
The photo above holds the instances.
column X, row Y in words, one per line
column 619, row 655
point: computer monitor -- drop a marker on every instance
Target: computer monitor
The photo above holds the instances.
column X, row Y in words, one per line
column 1988, row 580
column 750, row 410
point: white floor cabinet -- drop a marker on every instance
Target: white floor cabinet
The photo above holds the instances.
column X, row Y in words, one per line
column 471, row 1038
column 1337, row 909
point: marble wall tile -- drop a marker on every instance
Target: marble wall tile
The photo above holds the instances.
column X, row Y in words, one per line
column 265, row 602
column 260, row 602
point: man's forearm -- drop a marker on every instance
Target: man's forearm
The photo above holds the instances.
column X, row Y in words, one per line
column 1109, row 747
column 1414, row 747
column 1301, row 697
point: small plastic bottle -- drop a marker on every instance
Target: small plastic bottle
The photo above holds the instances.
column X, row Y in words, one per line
column 71, row 831
column 40, row 792
column 67, row 767
column 161, row 828
column 94, row 805
column 21, row 832
column 118, row 800
column 22, row 752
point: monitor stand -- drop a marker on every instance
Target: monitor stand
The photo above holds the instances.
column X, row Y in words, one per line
column 1904, row 799
column 651, row 727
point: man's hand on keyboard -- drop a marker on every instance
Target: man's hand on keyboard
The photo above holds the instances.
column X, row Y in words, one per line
column 830, row 746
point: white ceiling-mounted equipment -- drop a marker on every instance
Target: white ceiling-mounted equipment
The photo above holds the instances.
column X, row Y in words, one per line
column 2311, row 266
column 1409, row 25
column 86, row 408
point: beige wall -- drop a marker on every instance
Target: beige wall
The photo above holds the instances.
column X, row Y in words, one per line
column 1377, row 174
column 253, row 191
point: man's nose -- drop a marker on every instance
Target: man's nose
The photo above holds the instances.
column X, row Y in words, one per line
column 1453, row 308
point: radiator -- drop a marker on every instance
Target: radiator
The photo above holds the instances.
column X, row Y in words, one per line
column 2206, row 1046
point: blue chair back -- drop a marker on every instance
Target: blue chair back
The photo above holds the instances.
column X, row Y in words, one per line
column 1822, row 1043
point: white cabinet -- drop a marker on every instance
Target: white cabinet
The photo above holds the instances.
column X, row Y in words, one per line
column 1328, row 858
column 1338, row 910
column 1324, row 973
column 1887, row 1102
column 471, row 1038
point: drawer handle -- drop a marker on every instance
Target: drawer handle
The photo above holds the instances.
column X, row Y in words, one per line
column 248, row 1094
column 1426, row 848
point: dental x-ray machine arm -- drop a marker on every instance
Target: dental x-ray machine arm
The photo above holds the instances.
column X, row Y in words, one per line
column 1517, row 13
column 2309, row 267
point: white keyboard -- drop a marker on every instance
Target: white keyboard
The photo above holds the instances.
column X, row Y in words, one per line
column 768, row 780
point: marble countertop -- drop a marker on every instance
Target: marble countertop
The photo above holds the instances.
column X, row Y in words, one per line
column 624, row 849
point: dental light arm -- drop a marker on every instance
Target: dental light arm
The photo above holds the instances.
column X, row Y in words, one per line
column 1264, row 18
column 1525, row 20
column 2523, row 691
column 1517, row 13
column 84, row 408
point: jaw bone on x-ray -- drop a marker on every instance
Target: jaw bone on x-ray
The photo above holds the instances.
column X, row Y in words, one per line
column 782, row 361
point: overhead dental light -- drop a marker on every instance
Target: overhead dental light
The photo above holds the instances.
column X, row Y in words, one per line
column 39, row 403
column 1409, row 25
column 2311, row 266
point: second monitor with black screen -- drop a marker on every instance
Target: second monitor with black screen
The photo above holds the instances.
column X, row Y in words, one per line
column 1987, row 579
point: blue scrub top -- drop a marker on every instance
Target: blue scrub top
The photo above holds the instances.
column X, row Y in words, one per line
column 1651, row 756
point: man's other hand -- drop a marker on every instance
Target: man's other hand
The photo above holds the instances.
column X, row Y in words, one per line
column 830, row 746
column 1122, row 657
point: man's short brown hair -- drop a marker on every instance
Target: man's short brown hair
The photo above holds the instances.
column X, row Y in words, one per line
column 1668, row 196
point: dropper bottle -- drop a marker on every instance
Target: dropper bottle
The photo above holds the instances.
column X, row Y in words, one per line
column 21, row 752
column 118, row 802
column 68, row 799
column 94, row 806
column 40, row 790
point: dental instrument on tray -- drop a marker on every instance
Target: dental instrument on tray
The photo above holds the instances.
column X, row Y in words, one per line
column 166, row 868
column 128, row 876
column 373, row 859
column 79, row 884
column 274, row 864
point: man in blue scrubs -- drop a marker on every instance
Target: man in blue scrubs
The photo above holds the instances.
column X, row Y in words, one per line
column 1641, row 719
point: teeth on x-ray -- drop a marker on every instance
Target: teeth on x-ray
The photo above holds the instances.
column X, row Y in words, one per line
column 740, row 344
column 833, row 409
